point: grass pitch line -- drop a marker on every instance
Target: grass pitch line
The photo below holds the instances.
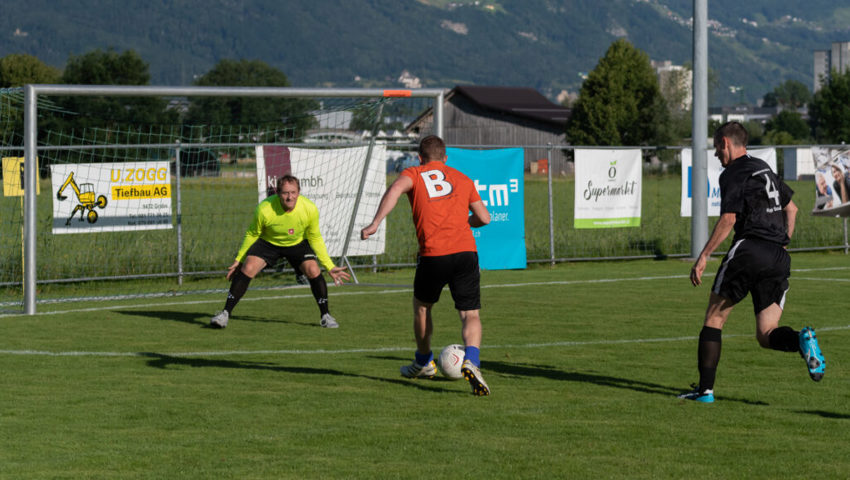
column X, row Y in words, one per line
column 408, row 290
column 346, row 351
column 821, row 279
column 337, row 293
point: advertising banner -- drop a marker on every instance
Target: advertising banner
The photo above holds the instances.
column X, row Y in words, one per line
column 608, row 188
column 111, row 197
column 832, row 181
column 713, row 175
column 330, row 178
column 272, row 163
column 13, row 177
column 804, row 162
column 498, row 176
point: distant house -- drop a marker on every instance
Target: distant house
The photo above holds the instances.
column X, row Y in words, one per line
column 501, row 116
column 742, row 113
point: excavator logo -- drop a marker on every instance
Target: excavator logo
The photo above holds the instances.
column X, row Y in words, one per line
column 85, row 198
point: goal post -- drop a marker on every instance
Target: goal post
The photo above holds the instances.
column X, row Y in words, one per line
column 32, row 150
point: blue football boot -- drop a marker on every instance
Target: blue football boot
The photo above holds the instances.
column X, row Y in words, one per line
column 810, row 351
column 705, row 396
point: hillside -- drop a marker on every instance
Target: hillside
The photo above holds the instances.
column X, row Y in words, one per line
column 545, row 44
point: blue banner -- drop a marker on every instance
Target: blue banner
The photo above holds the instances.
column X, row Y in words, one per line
column 498, row 175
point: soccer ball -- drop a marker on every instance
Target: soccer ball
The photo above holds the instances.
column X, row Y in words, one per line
column 451, row 359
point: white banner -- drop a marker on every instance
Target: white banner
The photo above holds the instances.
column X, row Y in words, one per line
column 805, row 165
column 608, row 188
column 331, row 178
column 111, row 197
column 832, row 181
column 713, row 174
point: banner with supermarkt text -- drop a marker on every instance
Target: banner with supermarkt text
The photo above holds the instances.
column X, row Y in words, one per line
column 608, row 188
column 498, row 176
column 111, row 197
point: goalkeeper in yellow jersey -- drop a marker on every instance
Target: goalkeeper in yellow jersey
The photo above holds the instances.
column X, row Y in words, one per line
column 284, row 225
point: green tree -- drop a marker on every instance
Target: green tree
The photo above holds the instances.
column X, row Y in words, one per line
column 290, row 112
column 620, row 102
column 829, row 111
column 363, row 117
column 17, row 70
column 109, row 67
column 789, row 94
column 786, row 128
column 755, row 132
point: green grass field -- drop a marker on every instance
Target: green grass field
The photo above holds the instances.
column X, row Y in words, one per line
column 584, row 361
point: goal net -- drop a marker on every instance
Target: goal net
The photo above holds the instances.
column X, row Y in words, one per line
column 133, row 209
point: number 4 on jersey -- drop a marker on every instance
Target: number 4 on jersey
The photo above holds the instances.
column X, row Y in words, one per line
column 772, row 192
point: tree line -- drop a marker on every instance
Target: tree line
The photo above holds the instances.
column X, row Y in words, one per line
column 109, row 67
column 620, row 102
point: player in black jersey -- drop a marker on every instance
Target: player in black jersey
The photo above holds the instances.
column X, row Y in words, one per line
column 757, row 205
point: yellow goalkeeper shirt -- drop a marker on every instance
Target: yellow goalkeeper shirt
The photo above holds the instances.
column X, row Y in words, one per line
column 286, row 229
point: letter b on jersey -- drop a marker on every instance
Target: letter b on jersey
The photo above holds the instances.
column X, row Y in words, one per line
column 436, row 184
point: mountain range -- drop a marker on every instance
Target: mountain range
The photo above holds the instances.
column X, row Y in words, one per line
column 545, row 44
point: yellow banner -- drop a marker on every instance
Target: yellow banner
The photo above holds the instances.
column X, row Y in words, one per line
column 13, row 177
column 138, row 192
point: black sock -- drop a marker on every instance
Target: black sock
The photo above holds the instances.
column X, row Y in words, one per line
column 708, row 355
column 238, row 287
column 320, row 292
column 784, row 339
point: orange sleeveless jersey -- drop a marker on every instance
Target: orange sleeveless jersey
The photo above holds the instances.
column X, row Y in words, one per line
column 440, row 200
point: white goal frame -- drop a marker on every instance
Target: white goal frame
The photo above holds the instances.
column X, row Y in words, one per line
column 31, row 93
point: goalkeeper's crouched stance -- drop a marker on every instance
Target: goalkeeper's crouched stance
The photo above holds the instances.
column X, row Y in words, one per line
column 284, row 225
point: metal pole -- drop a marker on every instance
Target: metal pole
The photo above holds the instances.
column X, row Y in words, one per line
column 30, row 191
column 363, row 175
column 438, row 115
column 551, row 207
column 699, row 170
column 179, row 217
column 846, row 245
column 288, row 92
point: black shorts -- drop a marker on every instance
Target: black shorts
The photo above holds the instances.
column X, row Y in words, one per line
column 756, row 267
column 271, row 254
column 458, row 270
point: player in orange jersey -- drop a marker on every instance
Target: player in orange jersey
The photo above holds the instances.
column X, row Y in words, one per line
column 441, row 199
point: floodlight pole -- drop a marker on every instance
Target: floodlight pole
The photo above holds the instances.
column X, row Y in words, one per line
column 699, row 174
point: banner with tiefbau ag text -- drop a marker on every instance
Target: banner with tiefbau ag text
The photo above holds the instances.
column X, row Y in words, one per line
column 608, row 188
column 111, row 197
column 498, row 175
column 330, row 178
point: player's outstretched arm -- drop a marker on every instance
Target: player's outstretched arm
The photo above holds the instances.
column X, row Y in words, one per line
column 232, row 269
column 339, row 275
